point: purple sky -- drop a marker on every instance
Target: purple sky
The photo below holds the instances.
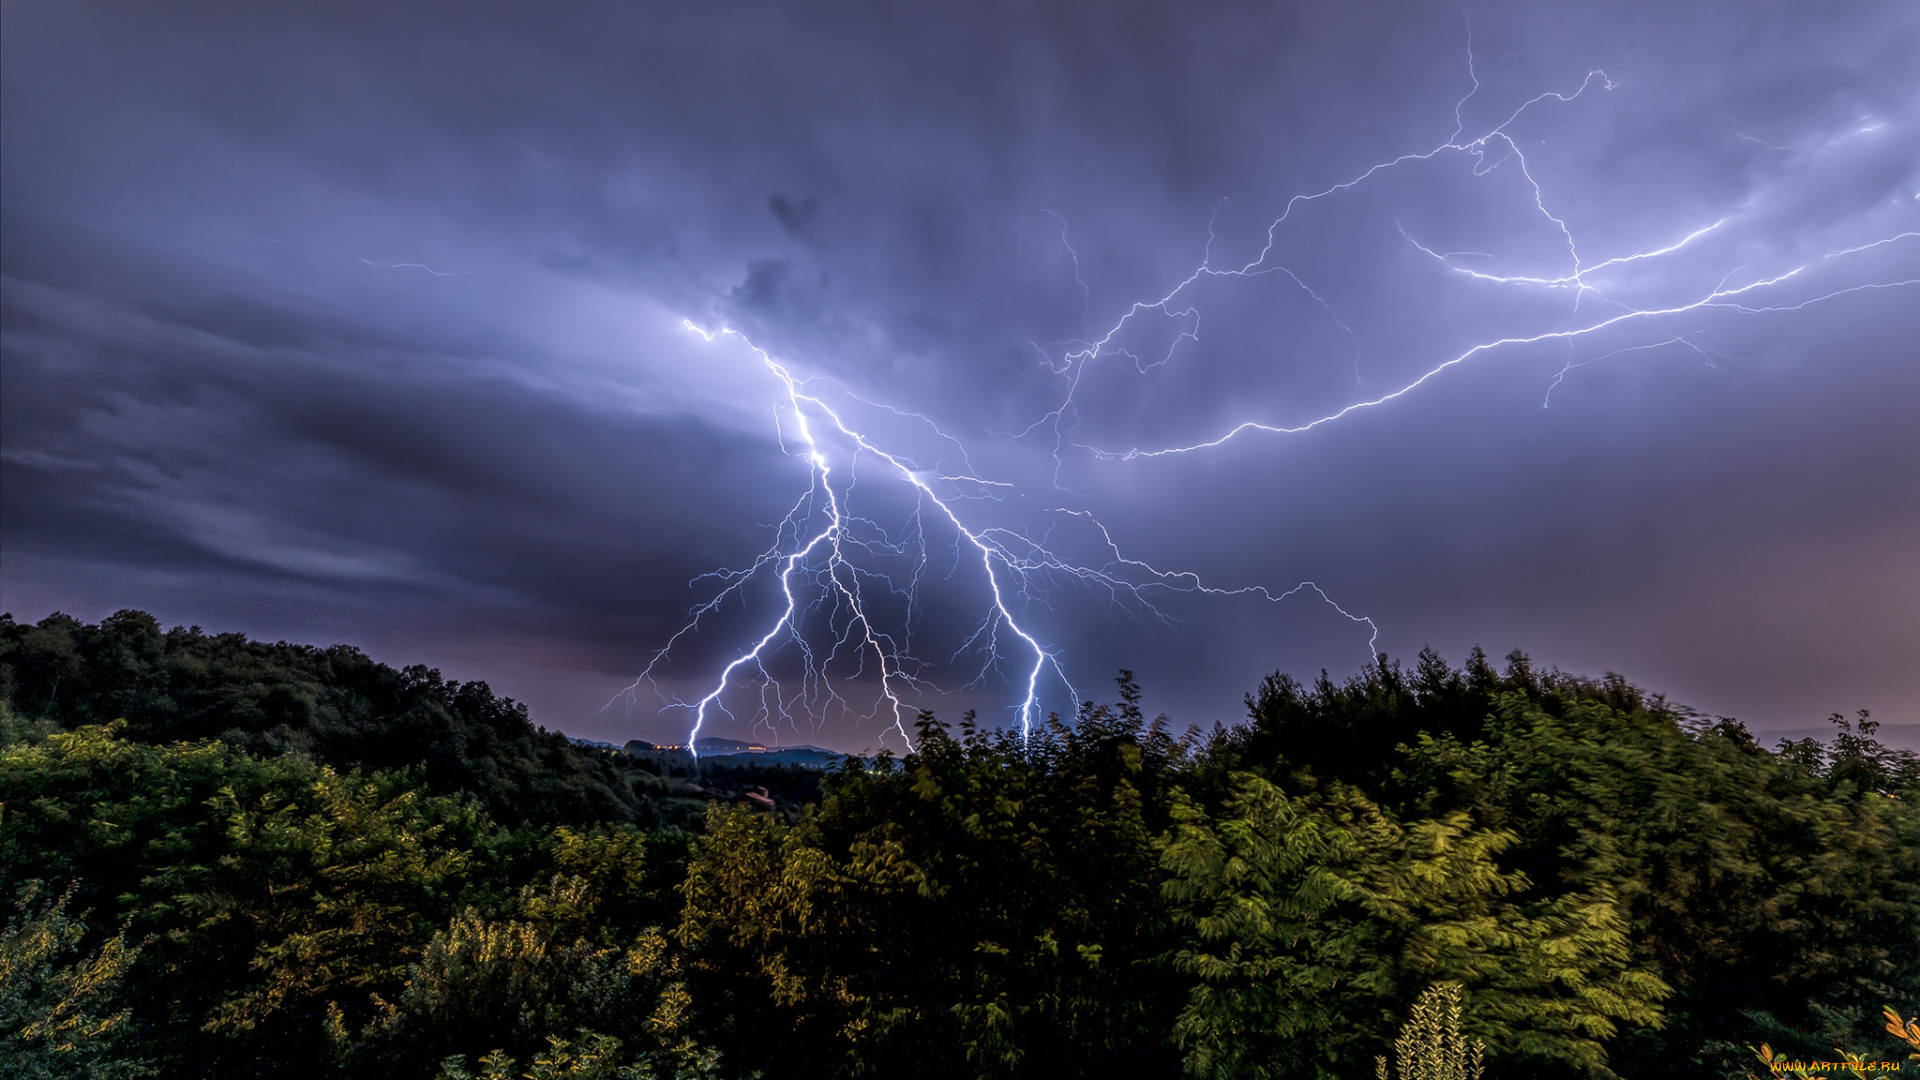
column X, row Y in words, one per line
column 369, row 323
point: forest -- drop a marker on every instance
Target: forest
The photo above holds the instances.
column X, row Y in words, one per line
column 230, row 858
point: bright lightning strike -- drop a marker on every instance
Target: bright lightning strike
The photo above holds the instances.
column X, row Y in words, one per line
column 825, row 562
column 822, row 562
column 1491, row 150
column 815, row 560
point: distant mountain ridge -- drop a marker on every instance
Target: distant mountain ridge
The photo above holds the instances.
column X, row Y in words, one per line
column 713, row 747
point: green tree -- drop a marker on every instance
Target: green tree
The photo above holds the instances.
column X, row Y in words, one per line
column 986, row 907
column 1431, row 1046
column 335, row 705
column 1315, row 919
column 271, row 892
column 1780, row 899
column 60, row 1014
column 560, row 959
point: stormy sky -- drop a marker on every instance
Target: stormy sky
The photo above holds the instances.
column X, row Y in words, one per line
column 483, row 335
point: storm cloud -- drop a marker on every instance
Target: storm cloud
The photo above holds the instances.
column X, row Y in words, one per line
column 370, row 323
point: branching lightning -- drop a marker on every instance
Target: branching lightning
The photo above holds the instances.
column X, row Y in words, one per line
column 1493, row 149
column 822, row 561
column 814, row 560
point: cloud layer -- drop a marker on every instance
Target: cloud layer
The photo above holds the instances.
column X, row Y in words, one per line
column 347, row 322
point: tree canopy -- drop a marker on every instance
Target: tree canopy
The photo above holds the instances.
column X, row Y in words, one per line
column 229, row 858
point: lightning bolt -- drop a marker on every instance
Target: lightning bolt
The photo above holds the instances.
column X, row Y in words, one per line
column 413, row 266
column 814, row 560
column 1492, row 149
column 821, row 559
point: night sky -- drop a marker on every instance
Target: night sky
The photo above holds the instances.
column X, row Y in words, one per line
column 432, row 328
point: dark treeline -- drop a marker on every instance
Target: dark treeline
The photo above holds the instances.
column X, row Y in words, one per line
column 228, row 858
column 339, row 708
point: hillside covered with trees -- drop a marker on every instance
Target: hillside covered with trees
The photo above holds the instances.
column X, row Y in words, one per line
column 227, row 858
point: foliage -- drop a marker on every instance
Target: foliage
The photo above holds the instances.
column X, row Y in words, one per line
column 1431, row 1046
column 1315, row 918
column 59, row 1018
column 272, row 890
column 1904, row 1031
column 1781, row 901
column 1907, row 1031
column 593, row 1057
column 1778, row 894
column 335, row 705
column 984, row 907
column 403, row 877
column 553, row 964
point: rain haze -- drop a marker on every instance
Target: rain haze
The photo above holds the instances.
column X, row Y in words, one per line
column 1005, row 344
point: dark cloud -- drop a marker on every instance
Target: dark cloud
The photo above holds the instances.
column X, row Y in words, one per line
column 796, row 215
column 363, row 321
column 288, row 445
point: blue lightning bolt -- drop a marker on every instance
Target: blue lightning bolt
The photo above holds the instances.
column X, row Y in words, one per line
column 413, row 266
column 1002, row 570
column 1490, row 150
column 820, row 560
column 816, row 555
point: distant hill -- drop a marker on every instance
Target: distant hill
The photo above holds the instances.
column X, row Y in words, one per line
column 345, row 709
column 734, row 752
column 336, row 705
column 804, row 757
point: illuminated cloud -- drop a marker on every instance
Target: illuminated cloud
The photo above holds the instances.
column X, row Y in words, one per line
column 358, row 323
